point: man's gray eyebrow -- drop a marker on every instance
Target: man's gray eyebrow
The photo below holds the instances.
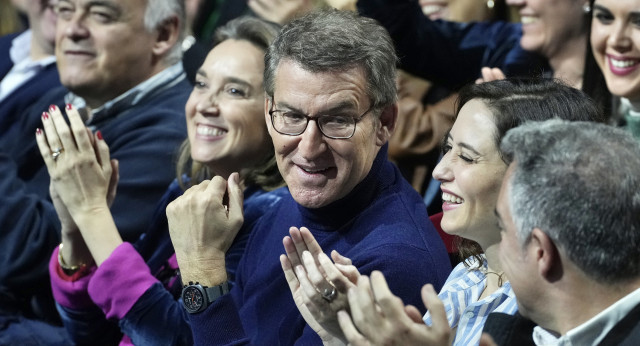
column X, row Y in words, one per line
column 338, row 107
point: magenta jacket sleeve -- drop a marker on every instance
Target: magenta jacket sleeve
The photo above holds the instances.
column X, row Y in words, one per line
column 70, row 294
column 120, row 281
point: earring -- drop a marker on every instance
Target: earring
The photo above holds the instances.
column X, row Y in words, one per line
column 586, row 8
column 490, row 4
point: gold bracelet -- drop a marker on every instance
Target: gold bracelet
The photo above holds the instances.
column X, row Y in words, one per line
column 67, row 268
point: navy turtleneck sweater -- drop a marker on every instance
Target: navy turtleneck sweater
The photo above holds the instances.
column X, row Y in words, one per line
column 381, row 225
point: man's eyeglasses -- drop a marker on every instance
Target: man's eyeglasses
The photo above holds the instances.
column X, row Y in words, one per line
column 332, row 126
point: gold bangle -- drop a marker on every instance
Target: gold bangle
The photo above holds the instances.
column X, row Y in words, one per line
column 67, row 268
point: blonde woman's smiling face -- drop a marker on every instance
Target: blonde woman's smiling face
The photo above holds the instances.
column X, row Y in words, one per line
column 224, row 116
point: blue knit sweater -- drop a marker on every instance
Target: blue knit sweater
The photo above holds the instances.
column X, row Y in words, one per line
column 381, row 225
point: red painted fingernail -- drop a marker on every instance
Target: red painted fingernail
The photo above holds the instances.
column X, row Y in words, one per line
column 69, row 106
column 45, row 115
column 53, row 108
column 38, row 131
column 99, row 135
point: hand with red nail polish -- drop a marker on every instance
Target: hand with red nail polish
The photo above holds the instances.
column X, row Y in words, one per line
column 83, row 181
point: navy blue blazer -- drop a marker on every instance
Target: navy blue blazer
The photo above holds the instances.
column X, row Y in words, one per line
column 21, row 99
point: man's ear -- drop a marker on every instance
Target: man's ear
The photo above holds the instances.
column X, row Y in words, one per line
column 388, row 119
column 167, row 35
column 547, row 256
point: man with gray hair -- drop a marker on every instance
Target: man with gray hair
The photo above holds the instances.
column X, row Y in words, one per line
column 569, row 209
column 330, row 109
column 119, row 62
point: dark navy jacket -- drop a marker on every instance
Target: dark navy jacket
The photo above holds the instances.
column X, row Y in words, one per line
column 18, row 102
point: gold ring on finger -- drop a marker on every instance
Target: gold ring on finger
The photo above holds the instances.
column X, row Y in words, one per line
column 56, row 153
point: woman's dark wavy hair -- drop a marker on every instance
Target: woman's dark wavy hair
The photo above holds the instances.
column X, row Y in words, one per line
column 264, row 174
column 593, row 82
column 515, row 101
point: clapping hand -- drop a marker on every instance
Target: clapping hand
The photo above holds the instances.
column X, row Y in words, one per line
column 318, row 285
column 83, row 185
column 202, row 225
column 378, row 317
column 83, row 177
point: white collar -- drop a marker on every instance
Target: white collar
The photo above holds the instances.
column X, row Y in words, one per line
column 595, row 329
column 20, row 47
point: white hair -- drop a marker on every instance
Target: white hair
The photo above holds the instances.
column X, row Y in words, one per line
column 157, row 12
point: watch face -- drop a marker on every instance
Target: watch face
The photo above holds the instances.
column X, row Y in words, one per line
column 192, row 298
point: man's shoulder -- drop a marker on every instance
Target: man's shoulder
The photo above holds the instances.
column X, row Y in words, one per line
column 171, row 98
column 507, row 329
column 164, row 109
column 396, row 220
column 258, row 202
column 6, row 40
column 399, row 203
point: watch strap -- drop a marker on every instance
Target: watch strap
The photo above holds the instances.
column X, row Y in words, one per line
column 216, row 292
column 208, row 294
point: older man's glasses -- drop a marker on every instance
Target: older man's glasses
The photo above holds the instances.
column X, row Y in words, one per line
column 336, row 126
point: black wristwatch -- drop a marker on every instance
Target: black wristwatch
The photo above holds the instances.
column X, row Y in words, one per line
column 196, row 297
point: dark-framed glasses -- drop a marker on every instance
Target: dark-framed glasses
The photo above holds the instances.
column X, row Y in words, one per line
column 336, row 126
